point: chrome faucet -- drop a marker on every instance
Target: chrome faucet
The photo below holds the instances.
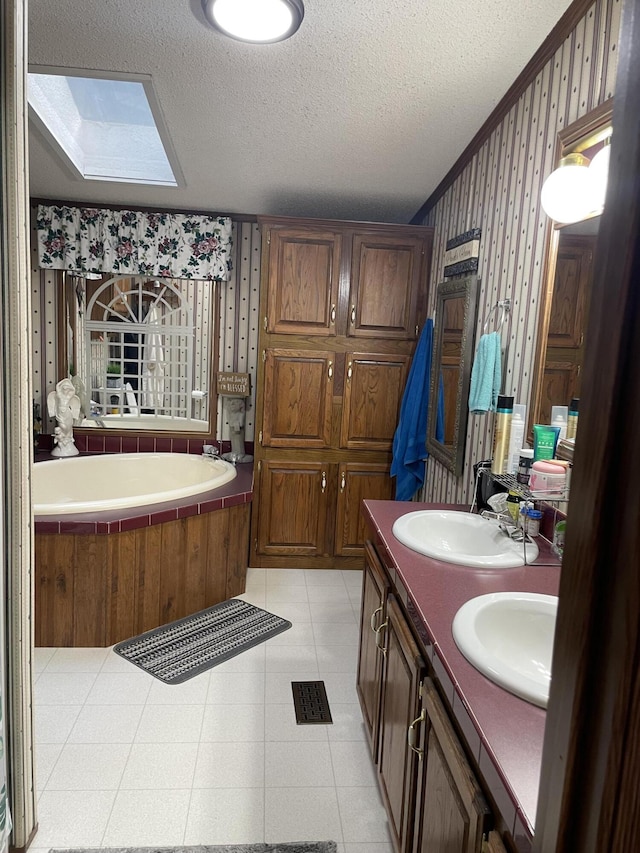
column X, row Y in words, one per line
column 506, row 524
column 210, row 450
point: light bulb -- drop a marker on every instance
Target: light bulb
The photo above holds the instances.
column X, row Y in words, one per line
column 566, row 193
column 259, row 21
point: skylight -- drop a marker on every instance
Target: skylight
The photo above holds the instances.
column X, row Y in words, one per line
column 105, row 128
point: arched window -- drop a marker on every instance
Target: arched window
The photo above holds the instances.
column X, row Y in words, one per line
column 143, row 360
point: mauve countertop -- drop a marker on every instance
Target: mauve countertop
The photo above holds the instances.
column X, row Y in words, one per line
column 504, row 732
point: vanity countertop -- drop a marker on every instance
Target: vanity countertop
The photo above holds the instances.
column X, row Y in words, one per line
column 504, row 733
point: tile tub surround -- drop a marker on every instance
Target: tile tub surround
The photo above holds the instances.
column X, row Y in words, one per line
column 238, row 491
column 504, row 733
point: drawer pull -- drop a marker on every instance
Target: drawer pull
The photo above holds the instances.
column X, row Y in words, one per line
column 412, row 734
column 378, row 637
column 373, row 617
column 333, row 313
column 324, row 482
column 350, row 370
column 353, row 315
column 343, row 482
column 330, row 370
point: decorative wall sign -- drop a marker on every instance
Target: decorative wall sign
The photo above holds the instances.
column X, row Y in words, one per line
column 233, row 384
column 461, row 256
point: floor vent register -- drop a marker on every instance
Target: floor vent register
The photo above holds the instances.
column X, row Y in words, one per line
column 311, row 703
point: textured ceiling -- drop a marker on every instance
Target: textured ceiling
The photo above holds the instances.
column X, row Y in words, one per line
column 358, row 116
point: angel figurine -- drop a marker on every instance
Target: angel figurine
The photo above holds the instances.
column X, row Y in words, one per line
column 63, row 404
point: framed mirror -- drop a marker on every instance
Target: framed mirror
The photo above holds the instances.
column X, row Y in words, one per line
column 564, row 305
column 453, row 345
column 144, row 349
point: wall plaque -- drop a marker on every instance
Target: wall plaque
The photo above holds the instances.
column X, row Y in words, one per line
column 233, row 384
column 462, row 253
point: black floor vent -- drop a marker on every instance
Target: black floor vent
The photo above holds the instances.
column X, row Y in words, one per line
column 311, row 703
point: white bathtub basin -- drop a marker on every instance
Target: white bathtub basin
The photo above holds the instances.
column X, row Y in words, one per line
column 508, row 636
column 118, row 480
column 461, row 538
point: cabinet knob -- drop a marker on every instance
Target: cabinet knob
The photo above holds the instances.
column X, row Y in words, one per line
column 353, row 315
column 333, row 313
column 412, row 734
column 373, row 618
column 350, row 370
column 324, row 482
column 379, row 637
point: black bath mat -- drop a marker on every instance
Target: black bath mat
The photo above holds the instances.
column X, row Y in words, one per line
column 189, row 646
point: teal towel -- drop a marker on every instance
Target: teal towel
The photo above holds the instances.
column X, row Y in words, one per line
column 486, row 375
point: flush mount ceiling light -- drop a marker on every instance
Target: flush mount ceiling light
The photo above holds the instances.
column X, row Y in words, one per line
column 257, row 21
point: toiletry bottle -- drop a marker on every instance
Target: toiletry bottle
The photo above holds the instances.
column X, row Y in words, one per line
column 572, row 419
column 524, row 465
column 559, row 416
column 516, row 439
column 513, row 505
column 504, row 410
column 545, row 440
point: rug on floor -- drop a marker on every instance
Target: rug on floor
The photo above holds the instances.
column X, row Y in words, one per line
column 178, row 651
column 285, row 847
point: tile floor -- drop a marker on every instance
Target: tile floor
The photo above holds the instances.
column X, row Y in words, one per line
column 124, row 760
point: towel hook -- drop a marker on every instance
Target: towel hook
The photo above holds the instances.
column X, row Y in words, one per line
column 505, row 306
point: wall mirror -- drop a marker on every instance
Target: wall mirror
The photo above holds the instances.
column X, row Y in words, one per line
column 144, row 349
column 564, row 305
column 453, row 342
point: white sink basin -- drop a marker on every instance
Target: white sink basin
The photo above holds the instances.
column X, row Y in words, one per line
column 508, row 636
column 462, row 538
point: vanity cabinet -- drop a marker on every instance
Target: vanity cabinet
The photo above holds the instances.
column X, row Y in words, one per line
column 451, row 812
column 341, row 307
column 433, row 800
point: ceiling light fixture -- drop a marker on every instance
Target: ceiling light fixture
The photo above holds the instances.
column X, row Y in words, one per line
column 257, row 21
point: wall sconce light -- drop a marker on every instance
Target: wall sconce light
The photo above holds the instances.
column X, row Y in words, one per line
column 257, row 21
column 577, row 188
column 566, row 193
column 599, row 174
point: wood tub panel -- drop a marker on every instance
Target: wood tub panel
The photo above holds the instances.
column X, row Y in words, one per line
column 96, row 590
column 238, row 557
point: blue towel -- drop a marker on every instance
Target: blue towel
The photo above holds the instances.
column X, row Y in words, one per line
column 486, row 375
column 409, row 441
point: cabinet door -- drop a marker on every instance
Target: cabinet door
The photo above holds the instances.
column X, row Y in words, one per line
column 358, row 481
column 292, row 507
column 372, row 615
column 373, row 388
column 402, row 670
column 303, row 281
column 561, row 382
column 451, row 810
column 386, row 276
column 570, row 291
column 298, row 390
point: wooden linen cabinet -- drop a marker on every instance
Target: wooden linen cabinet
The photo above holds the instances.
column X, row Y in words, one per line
column 342, row 304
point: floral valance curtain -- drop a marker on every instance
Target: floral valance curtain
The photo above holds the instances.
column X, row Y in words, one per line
column 175, row 245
